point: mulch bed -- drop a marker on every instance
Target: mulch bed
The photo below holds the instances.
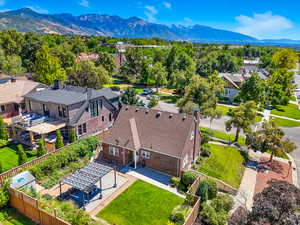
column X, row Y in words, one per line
column 272, row 170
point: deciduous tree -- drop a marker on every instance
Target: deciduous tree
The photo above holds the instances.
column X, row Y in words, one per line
column 242, row 118
column 157, row 75
column 107, row 62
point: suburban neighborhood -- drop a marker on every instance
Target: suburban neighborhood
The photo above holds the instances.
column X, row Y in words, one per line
column 130, row 129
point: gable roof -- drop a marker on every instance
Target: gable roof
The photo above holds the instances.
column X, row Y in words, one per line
column 13, row 92
column 69, row 95
column 234, row 79
column 167, row 133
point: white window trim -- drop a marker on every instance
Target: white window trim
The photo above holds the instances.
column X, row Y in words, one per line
column 113, row 151
column 145, row 154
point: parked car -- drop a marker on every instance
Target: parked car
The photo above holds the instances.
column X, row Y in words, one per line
column 298, row 97
column 297, row 89
column 147, row 91
column 115, row 88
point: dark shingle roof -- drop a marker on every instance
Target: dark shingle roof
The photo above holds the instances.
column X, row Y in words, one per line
column 164, row 132
column 68, row 95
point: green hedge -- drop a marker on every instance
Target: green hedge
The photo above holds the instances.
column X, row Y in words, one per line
column 69, row 154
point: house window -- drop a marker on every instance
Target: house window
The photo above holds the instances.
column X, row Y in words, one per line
column 185, row 161
column 46, row 110
column 227, row 91
column 113, row 151
column 94, row 108
column 29, row 104
column 64, row 112
column 81, row 129
column 60, row 111
column 2, row 108
column 100, row 104
column 103, row 118
column 110, row 117
column 146, row 154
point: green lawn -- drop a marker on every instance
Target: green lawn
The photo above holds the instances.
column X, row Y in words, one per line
column 141, row 204
column 225, row 163
column 223, row 109
column 9, row 157
column 10, row 216
column 285, row 123
column 168, row 98
column 224, row 136
column 290, row 110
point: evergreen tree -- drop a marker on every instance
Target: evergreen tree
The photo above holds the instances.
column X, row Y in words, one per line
column 129, row 97
column 59, row 140
column 41, row 150
column 22, row 155
column 3, row 130
column 73, row 137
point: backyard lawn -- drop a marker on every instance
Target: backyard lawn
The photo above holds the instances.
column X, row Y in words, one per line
column 141, row 204
column 224, row 136
column 290, row 110
column 223, row 109
column 9, row 157
column 225, row 163
column 285, row 123
column 9, row 216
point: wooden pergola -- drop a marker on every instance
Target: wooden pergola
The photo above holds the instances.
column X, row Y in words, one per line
column 85, row 179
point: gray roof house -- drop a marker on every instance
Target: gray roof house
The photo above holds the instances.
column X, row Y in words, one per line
column 88, row 111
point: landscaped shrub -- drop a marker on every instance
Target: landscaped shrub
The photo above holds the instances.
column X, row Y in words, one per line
column 178, row 218
column 205, row 152
column 59, row 140
column 73, row 136
column 199, row 160
column 41, row 150
column 175, row 181
column 188, row 177
column 207, row 189
column 70, row 154
column 222, row 203
column 4, row 195
column 211, row 217
column 3, row 130
column 21, row 154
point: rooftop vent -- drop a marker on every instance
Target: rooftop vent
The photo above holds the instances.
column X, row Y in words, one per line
column 137, row 109
column 183, row 118
column 147, row 111
column 171, row 115
column 158, row 114
column 126, row 108
column 13, row 79
column 56, row 85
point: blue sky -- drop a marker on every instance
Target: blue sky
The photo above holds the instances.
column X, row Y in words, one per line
column 258, row 18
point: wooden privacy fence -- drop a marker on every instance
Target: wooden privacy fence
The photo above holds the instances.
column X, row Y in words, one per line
column 18, row 169
column 194, row 201
column 29, row 207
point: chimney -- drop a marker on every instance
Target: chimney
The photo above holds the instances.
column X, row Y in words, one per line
column 13, row 80
column 56, row 85
column 158, row 114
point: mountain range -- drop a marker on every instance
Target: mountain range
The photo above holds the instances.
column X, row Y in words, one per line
column 27, row 20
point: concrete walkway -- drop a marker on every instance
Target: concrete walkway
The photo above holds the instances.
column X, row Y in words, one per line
column 153, row 177
column 246, row 190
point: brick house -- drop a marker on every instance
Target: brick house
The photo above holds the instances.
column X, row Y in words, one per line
column 167, row 142
column 85, row 110
column 12, row 91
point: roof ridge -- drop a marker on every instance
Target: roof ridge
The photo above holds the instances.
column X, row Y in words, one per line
column 134, row 133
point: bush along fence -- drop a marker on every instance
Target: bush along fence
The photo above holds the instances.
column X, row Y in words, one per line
column 30, row 208
column 194, row 201
column 56, row 159
column 221, row 185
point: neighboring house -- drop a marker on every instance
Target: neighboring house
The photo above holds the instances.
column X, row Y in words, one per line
column 86, row 111
column 167, row 142
column 232, row 84
column 12, row 91
column 86, row 56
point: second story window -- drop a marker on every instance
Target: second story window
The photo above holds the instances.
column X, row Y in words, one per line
column 64, row 112
column 46, row 110
column 94, row 109
column 2, row 108
column 59, row 111
column 110, row 117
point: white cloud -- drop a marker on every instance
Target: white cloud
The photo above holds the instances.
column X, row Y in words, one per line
column 167, row 5
column 150, row 13
column 84, row 3
column 2, row 2
column 262, row 25
column 38, row 9
column 5, row 10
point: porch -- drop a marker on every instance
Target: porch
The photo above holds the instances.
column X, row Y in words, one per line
column 29, row 128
